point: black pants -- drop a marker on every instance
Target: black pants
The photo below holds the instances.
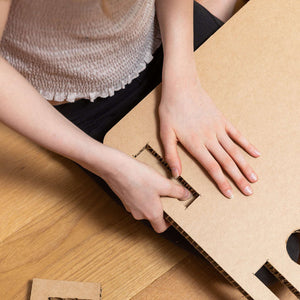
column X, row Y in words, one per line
column 96, row 118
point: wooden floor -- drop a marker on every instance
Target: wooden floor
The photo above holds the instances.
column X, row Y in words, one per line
column 57, row 223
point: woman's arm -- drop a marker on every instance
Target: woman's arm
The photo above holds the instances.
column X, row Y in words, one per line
column 188, row 115
column 23, row 109
column 176, row 26
column 138, row 186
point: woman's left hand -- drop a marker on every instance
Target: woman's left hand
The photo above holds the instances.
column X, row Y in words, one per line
column 188, row 115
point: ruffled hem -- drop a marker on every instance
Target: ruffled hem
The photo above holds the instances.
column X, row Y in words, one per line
column 108, row 92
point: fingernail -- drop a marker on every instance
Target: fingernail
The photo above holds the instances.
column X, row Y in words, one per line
column 175, row 172
column 256, row 152
column 188, row 195
column 229, row 194
column 253, row 176
column 248, row 190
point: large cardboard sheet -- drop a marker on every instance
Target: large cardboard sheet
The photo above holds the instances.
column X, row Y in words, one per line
column 251, row 69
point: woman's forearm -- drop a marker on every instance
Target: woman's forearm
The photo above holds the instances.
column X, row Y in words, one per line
column 175, row 19
column 23, row 109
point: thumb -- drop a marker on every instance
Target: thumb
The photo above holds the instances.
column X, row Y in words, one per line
column 169, row 142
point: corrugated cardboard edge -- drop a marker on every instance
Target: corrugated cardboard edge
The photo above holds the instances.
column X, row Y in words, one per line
column 207, row 256
column 282, row 279
column 222, row 271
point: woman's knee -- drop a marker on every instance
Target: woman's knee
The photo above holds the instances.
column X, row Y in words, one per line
column 222, row 9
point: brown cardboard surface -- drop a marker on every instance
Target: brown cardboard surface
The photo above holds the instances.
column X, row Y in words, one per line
column 43, row 289
column 251, row 69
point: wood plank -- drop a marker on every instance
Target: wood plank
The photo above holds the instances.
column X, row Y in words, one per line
column 33, row 180
column 192, row 278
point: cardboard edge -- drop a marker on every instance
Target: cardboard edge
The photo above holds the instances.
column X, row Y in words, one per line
column 207, row 257
column 282, row 279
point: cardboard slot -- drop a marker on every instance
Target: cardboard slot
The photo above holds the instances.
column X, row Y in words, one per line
column 167, row 168
column 280, row 280
column 270, row 281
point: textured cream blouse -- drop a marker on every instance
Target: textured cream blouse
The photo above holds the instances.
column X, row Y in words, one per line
column 70, row 49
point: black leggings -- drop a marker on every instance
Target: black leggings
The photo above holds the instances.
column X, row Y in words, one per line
column 96, row 118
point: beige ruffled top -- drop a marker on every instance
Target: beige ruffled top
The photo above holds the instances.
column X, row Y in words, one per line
column 70, row 49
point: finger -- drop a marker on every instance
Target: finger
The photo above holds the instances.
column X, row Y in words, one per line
column 168, row 224
column 137, row 215
column 175, row 190
column 157, row 220
column 213, row 168
column 169, row 142
column 235, row 153
column 229, row 166
column 159, row 225
column 126, row 207
column 241, row 140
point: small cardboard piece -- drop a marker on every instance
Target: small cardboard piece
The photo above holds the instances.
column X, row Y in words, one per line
column 251, row 69
column 45, row 289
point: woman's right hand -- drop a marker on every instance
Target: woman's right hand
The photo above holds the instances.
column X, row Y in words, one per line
column 139, row 187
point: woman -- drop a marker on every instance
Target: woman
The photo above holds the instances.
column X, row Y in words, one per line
column 53, row 46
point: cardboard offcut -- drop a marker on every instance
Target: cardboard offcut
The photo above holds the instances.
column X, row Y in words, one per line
column 251, row 69
column 46, row 289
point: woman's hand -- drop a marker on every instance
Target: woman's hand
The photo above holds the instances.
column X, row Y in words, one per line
column 188, row 115
column 138, row 186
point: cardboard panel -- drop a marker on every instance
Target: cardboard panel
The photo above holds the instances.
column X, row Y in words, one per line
column 251, row 69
